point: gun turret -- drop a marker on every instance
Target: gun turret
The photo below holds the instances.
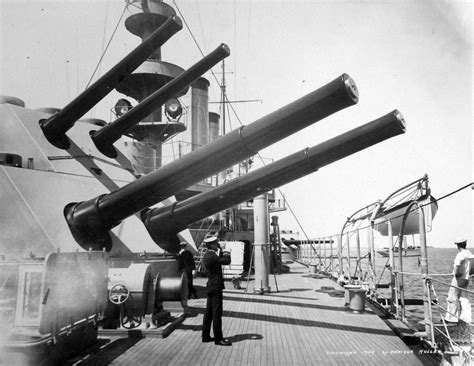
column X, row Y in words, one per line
column 106, row 136
column 90, row 221
column 55, row 127
column 164, row 223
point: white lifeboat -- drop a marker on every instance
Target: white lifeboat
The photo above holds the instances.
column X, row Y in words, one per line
column 395, row 216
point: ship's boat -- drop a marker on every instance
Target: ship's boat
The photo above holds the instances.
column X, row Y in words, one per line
column 396, row 215
column 409, row 251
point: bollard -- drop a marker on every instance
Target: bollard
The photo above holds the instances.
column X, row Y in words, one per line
column 357, row 300
column 347, row 297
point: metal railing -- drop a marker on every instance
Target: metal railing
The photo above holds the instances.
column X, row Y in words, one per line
column 350, row 259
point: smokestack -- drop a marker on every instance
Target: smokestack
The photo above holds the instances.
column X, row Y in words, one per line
column 214, row 120
column 199, row 113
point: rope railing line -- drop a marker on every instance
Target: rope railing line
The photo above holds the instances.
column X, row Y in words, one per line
column 436, row 328
column 307, row 259
column 438, row 281
column 445, row 310
column 408, row 273
column 459, row 288
column 436, row 303
column 107, row 46
column 432, row 289
column 439, row 329
column 446, row 335
column 431, row 274
column 410, row 194
column 452, row 342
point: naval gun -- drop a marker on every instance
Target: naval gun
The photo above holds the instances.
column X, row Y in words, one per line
column 56, row 126
column 107, row 135
column 164, row 223
column 90, row 221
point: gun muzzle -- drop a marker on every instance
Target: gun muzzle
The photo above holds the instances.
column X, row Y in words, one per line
column 165, row 223
column 90, row 221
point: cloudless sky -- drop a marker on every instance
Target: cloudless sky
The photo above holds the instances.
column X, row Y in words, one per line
column 414, row 56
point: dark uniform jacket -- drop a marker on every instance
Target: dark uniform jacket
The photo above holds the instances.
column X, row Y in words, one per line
column 213, row 266
column 186, row 261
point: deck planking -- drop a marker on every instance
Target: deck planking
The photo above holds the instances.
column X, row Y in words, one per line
column 296, row 325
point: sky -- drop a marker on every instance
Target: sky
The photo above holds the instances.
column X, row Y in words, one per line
column 414, row 56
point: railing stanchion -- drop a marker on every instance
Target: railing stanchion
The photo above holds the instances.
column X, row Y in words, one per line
column 339, row 253
column 348, row 257
column 331, row 258
column 424, row 272
column 358, row 268
column 393, row 292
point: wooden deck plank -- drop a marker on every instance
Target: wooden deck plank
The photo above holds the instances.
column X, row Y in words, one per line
column 276, row 336
column 251, row 324
column 306, row 334
column 293, row 339
column 297, row 325
column 248, row 351
column 301, row 307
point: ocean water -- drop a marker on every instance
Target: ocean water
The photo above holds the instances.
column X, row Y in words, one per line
column 440, row 262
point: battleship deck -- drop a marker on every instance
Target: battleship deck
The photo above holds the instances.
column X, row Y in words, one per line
column 298, row 325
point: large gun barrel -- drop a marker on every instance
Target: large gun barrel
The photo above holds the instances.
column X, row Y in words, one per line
column 106, row 136
column 55, row 127
column 164, row 223
column 90, row 221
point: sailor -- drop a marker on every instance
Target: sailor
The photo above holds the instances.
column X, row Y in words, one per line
column 187, row 266
column 458, row 306
column 212, row 261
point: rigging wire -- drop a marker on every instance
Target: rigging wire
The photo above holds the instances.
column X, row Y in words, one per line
column 105, row 28
column 408, row 196
column 76, row 33
column 457, row 190
column 227, row 101
column 67, row 81
column 235, row 43
column 297, row 221
column 188, row 28
column 108, row 44
column 200, row 22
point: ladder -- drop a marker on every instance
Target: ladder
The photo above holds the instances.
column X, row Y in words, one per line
column 198, row 258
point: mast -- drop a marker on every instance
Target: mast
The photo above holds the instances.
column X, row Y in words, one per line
column 223, row 94
column 145, row 151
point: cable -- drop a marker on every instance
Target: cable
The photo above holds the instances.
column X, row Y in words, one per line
column 189, row 29
column 227, row 101
column 457, row 190
column 107, row 47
